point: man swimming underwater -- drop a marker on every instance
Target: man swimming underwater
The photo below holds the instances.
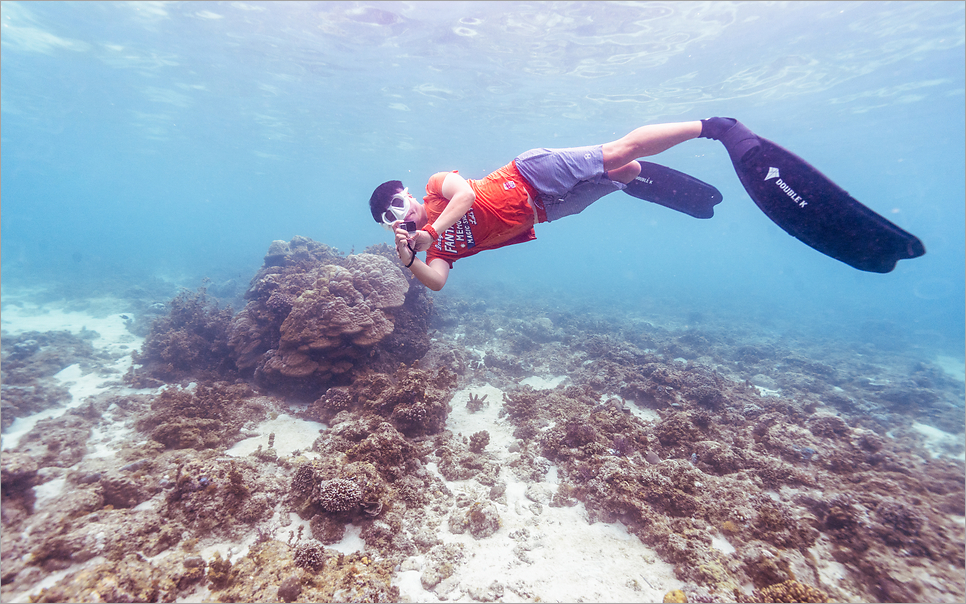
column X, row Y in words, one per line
column 459, row 218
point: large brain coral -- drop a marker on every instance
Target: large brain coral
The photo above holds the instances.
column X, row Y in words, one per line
column 345, row 305
column 313, row 315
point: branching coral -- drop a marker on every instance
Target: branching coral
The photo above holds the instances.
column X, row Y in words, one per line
column 523, row 403
column 475, row 403
column 479, row 440
column 787, row 591
column 303, row 482
column 310, row 555
column 190, row 341
column 339, row 495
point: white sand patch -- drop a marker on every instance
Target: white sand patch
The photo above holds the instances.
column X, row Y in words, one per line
column 555, row 554
column 113, row 338
column 289, row 533
column 648, row 415
column 830, row 571
column 10, row 439
column 544, row 383
column 352, row 541
column 81, row 386
column 461, row 421
column 229, row 550
column 952, row 366
column 564, row 559
column 721, row 544
column 939, row 443
column 106, row 442
column 291, row 434
column 409, row 584
column 154, row 503
column 767, row 392
column 47, row 491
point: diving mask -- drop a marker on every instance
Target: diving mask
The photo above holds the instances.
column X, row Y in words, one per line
column 399, row 206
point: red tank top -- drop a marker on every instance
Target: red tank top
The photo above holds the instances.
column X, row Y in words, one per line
column 499, row 216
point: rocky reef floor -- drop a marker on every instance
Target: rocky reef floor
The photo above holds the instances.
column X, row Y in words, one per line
column 575, row 454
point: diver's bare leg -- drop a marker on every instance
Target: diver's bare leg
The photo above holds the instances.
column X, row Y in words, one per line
column 647, row 140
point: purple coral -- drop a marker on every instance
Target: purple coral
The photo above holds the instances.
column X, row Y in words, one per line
column 339, row 495
column 622, row 445
column 579, row 434
column 479, row 441
column 419, row 417
column 585, row 471
column 336, row 399
column 280, row 304
column 304, row 480
column 310, row 554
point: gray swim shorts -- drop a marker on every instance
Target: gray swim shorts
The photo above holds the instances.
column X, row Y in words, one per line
column 568, row 180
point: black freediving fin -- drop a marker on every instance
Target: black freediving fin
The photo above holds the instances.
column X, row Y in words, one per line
column 675, row 190
column 812, row 208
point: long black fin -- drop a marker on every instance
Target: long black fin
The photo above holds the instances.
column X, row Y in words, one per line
column 676, row 190
column 812, row 208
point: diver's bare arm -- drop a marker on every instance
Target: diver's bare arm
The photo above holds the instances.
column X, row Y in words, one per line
column 461, row 198
column 432, row 275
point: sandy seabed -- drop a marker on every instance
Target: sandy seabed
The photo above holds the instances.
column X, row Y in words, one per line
column 88, row 513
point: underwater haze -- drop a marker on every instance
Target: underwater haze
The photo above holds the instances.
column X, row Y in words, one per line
column 219, row 383
column 175, row 141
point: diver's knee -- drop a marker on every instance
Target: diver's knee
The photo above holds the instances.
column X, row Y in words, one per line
column 626, row 173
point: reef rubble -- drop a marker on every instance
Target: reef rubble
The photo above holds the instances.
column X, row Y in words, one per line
column 417, row 448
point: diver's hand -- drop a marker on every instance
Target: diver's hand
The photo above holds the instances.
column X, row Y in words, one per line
column 402, row 244
column 421, row 241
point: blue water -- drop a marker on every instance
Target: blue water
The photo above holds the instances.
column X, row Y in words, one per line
column 176, row 141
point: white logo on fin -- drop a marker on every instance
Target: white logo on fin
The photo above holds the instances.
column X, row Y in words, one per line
column 772, row 173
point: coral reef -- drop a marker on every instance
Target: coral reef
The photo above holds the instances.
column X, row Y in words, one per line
column 29, row 361
column 314, row 317
column 310, row 555
column 761, row 468
column 786, row 591
column 714, row 452
column 191, row 341
column 339, row 495
column 415, row 401
column 206, row 416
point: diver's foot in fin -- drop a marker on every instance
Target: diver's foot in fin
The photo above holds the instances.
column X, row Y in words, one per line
column 715, row 127
column 675, row 190
column 812, row 208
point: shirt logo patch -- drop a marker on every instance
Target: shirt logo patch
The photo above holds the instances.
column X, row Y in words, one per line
column 509, row 185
